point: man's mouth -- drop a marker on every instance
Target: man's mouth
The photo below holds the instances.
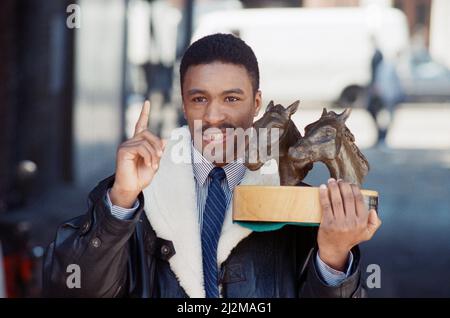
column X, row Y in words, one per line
column 214, row 137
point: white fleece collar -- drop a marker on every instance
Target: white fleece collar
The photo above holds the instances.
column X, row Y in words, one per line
column 170, row 206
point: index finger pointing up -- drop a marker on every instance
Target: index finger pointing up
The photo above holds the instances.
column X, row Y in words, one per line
column 142, row 123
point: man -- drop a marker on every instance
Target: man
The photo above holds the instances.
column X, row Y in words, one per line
column 185, row 244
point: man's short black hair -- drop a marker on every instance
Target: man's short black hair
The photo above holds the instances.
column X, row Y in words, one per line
column 225, row 48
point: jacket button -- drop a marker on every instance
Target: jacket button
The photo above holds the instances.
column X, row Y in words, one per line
column 165, row 250
column 96, row 242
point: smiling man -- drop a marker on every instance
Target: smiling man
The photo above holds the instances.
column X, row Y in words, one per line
column 182, row 242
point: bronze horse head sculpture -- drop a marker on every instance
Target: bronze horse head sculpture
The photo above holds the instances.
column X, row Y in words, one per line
column 279, row 117
column 330, row 141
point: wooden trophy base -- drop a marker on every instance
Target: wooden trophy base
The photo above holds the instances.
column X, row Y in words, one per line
column 283, row 204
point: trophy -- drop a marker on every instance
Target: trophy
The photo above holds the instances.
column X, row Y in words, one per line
column 327, row 140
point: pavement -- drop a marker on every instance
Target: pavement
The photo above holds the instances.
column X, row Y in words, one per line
column 412, row 245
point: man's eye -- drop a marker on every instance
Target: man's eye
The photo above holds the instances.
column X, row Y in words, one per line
column 231, row 99
column 199, row 99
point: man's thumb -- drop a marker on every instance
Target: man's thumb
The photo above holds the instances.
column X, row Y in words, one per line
column 373, row 222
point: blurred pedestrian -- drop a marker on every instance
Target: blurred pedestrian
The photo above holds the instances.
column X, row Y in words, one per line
column 384, row 92
column 390, row 93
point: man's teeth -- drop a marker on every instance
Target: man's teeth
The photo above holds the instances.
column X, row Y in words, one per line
column 213, row 137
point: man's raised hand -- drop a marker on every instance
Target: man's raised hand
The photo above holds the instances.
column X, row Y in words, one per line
column 137, row 162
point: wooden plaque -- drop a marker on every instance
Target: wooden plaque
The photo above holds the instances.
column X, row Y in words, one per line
column 283, row 203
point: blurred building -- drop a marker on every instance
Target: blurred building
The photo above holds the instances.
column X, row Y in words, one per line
column 427, row 19
column 61, row 89
column 440, row 31
column 271, row 3
column 36, row 90
column 418, row 13
column 99, row 81
column 331, row 3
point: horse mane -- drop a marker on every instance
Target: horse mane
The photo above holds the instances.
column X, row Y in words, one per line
column 350, row 138
column 331, row 118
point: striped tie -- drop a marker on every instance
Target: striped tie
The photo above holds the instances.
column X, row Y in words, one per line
column 213, row 217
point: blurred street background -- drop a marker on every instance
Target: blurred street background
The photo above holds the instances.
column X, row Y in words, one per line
column 74, row 75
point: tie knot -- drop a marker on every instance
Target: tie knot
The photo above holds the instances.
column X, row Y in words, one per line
column 217, row 174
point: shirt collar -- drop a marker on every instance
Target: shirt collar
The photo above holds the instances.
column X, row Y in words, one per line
column 234, row 171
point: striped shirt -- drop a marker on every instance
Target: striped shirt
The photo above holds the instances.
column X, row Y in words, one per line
column 234, row 172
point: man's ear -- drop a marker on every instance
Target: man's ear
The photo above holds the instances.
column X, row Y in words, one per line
column 258, row 103
column 183, row 106
column 184, row 111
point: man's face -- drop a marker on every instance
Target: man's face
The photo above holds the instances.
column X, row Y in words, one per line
column 219, row 96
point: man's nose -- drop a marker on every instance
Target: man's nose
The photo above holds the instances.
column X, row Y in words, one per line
column 214, row 114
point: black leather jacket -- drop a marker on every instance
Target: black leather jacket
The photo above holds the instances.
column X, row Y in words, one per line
column 120, row 258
